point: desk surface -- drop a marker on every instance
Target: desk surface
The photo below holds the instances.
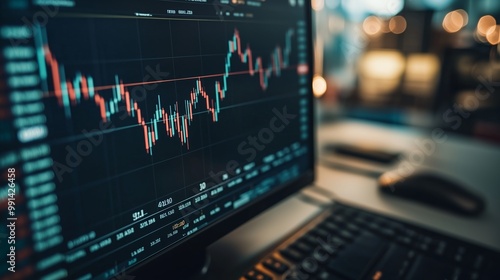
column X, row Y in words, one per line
column 472, row 162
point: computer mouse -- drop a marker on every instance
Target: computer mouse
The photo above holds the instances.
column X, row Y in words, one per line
column 433, row 189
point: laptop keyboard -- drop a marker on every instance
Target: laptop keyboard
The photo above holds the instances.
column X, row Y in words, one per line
column 350, row 244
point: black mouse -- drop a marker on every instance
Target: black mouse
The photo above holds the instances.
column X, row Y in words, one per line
column 433, row 189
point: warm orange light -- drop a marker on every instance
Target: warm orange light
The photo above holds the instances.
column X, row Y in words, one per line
column 484, row 24
column 372, row 25
column 382, row 64
column 319, row 86
column 380, row 73
column 422, row 67
column 493, row 35
column 377, row 275
column 397, row 24
column 421, row 74
column 455, row 20
column 318, row 5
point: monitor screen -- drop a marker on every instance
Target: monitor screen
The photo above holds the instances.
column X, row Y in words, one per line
column 129, row 128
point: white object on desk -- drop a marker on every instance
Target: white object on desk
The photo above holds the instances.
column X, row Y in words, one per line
column 472, row 162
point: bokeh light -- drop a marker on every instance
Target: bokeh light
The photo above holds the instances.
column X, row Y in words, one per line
column 382, row 64
column 318, row 5
column 484, row 24
column 397, row 25
column 372, row 25
column 493, row 35
column 319, row 86
column 455, row 20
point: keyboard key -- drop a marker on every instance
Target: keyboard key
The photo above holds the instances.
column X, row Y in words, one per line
column 346, row 235
column 330, row 227
column 256, row 274
column 450, row 251
column 474, row 276
column 324, row 275
column 478, row 261
column 409, row 233
column 457, row 273
column 425, row 243
column 361, row 221
column 366, row 216
column 337, row 242
column 423, row 247
column 429, row 269
column 353, row 228
column 465, row 274
column 473, row 258
column 411, row 254
column 321, row 233
column 404, row 240
column 373, row 222
column 292, row 254
column 460, row 254
column 338, row 219
column 427, row 240
column 441, row 248
column 404, row 268
column 303, row 247
column 275, row 265
column 374, row 226
column 353, row 262
column 407, row 237
column 326, row 250
column 387, row 232
column 309, row 266
column 323, row 256
column 309, row 239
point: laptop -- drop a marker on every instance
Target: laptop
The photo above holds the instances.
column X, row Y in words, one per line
column 136, row 133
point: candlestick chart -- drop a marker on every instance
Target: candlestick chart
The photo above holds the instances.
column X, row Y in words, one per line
column 166, row 120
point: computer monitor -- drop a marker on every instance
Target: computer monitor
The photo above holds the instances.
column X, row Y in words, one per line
column 132, row 130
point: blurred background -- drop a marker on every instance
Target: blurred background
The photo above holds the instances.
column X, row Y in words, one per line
column 424, row 63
